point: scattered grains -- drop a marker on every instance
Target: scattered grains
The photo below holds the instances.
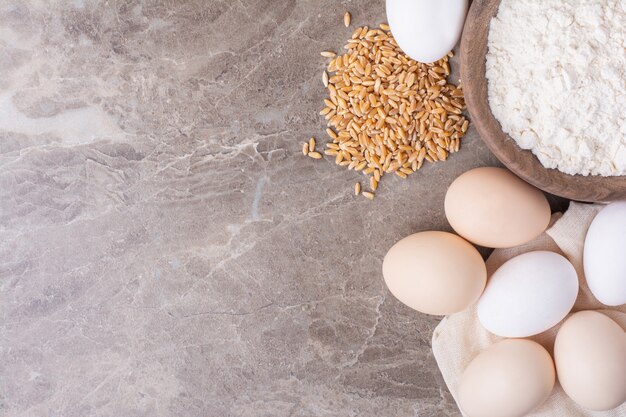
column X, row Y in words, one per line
column 387, row 113
column 315, row 155
column 346, row 19
column 305, row 148
column 357, row 188
column 373, row 183
column 312, row 144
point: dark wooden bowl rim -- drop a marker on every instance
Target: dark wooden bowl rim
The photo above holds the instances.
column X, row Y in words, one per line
column 522, row 162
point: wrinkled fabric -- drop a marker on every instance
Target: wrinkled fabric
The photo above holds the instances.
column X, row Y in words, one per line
column 460, row 337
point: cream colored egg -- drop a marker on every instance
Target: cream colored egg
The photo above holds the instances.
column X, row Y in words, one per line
column 435, row 272
column 508, row 379
column 492, row 207
column 590, row 357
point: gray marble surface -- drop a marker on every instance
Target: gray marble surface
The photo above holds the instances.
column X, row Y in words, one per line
column 165, row 249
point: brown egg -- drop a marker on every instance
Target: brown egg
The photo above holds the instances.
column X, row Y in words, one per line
column 508, row 379
column 590, row 357
column 492, row 207
column 435, row 272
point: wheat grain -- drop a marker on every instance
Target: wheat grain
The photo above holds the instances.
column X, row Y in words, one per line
column 386, row 112
column 346, row 19
column 373, row 183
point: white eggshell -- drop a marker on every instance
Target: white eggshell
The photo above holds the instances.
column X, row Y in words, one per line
column 605, row 255
column 528, row 294
column 426, row 30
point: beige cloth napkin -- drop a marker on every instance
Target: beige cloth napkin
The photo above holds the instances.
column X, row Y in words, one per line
column 460, row 337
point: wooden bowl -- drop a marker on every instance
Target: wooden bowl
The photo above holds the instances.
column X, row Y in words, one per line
column 522, row 162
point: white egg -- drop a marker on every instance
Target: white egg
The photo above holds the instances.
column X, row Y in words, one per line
column 426, row 30
column 528, row 294
column 605, row 255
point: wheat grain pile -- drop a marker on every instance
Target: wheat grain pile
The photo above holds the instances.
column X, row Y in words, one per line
column 387, row 113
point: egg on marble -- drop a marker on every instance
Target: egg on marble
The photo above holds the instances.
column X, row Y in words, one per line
column 492, row 207
column 435, row 272
column 528, row 294
column 508, row 379
column 590, row 357
column 604, row 257
column 426, row 30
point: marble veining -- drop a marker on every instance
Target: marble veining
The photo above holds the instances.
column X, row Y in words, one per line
column 165, row 249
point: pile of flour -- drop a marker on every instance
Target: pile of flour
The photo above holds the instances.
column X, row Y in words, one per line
column 556, row 73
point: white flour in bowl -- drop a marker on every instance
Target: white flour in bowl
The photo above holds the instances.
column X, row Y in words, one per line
column 556, row 72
